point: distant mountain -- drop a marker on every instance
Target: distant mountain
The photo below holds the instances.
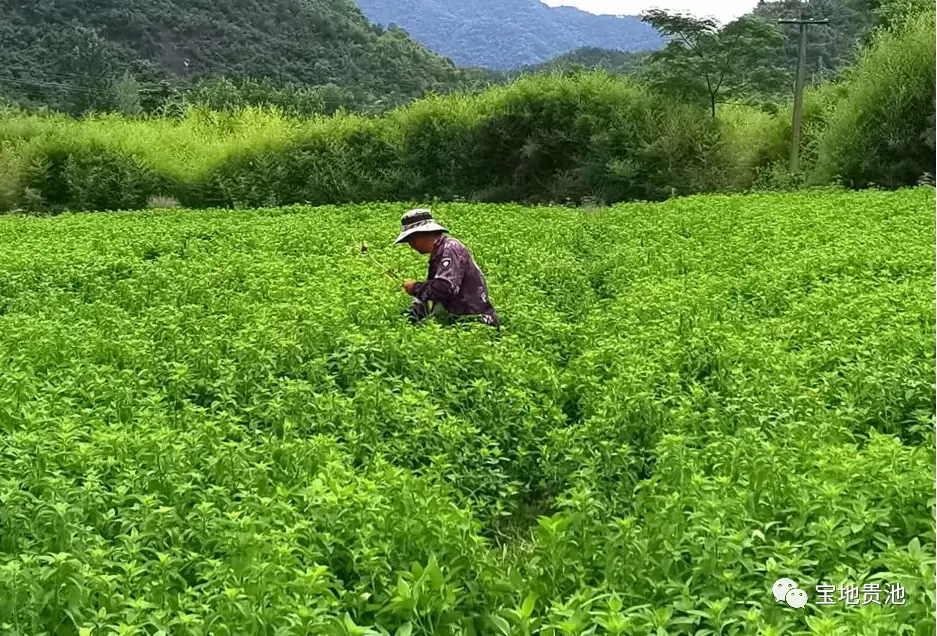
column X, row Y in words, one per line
column 505, row 34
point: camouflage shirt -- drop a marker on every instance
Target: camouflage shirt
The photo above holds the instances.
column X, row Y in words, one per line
column 455, row 281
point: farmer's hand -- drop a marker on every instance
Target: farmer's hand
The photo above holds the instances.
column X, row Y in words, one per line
column 408, row 285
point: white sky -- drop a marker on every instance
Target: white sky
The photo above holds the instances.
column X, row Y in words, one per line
column 723, row 11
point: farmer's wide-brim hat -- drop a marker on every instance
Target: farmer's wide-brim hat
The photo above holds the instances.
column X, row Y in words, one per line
column 417, row 221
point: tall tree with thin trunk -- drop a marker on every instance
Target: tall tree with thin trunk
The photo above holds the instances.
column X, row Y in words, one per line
column 715, row 64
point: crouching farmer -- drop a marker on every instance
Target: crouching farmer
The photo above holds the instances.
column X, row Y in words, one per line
column 455, row 283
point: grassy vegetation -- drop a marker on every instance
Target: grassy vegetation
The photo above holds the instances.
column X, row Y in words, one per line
column 218, row 422
column 540, row 139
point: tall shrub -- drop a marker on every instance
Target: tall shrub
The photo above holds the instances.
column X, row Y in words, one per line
column 759, row 143
column 436, row 141
column 65, row 175
column 341, row 159
column 882, row 133
column 556, row 138
column 535, row 138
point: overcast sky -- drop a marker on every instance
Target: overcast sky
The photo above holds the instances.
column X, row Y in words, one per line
column 723, row 11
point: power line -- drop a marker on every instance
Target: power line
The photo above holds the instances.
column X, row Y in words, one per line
column 62, row 85
column 57, row 74
column 47, row 73
column 43, row 84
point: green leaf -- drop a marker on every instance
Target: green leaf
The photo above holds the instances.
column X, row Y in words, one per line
column 527, row 607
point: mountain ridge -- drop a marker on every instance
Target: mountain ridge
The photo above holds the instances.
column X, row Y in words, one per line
column 63, row 53
column 507, row 34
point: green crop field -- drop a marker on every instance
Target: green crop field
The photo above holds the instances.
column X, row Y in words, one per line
column 218, row 422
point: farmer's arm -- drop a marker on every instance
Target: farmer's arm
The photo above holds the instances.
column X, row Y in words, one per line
column 436, row 290
column 448, row 279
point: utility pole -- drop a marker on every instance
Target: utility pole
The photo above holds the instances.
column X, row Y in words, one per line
column 799, row 87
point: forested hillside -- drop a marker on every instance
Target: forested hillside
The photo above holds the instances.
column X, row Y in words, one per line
column 829, row 47
column 505, row 34
column 590, row 58
column 526, row 35
column 74, row 56
column 309, row 57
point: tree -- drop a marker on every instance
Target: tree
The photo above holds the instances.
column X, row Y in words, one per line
column 711, row 64
column 127, row 96
column 72, row 54
column 90, row 62
column 830, row 47
column 895, row 13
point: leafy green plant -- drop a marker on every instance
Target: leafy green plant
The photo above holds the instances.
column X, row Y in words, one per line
column 216, row 422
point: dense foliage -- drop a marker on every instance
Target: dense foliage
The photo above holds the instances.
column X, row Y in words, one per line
column 317, row 56
column 539, row 139
column 576, row 138
column 705, row 62
column 501, row 34
column 75, row 56
column 831, row 47
column 894, row 13
column 883, row 131
column 219, row 422
column 588, row 58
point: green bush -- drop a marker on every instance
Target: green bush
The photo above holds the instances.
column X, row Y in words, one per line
column 342, row 159
column 536, row 131
column 558, row 138
column 540, row 139
column 685, row 153
column 759, row 143
column 88, row 176
column 436, row 141
column 17, row 131
column 882, row 133
column 553, row 138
